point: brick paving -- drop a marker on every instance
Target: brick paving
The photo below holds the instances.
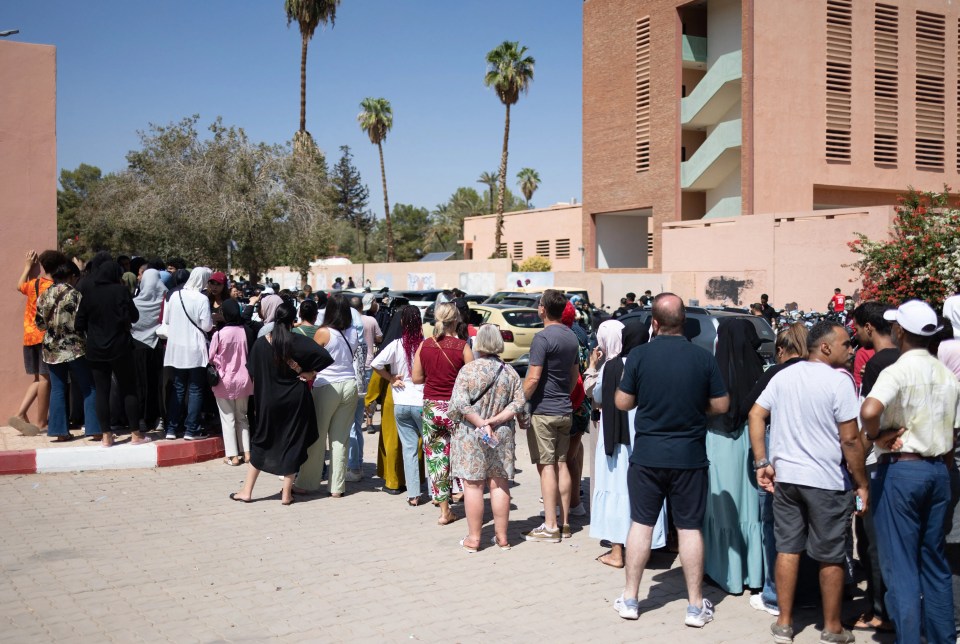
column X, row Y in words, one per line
column 164, row 555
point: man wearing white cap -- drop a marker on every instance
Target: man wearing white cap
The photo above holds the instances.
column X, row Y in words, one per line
column 915, row 407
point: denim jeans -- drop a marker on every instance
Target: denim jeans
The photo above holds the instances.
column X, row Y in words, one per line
column 355, row 452
column 769, row 541
column 409, row 425
column 80, row 372
column 187, row 383
column 866, row 530
column 911, row 510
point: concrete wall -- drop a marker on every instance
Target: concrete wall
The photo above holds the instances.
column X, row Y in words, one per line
column 723, row 29
column 793, row 257
column 622, row 240
column 527, row 227
column 28, row 191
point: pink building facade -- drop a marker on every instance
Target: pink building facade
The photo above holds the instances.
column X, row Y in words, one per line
column 28, row 185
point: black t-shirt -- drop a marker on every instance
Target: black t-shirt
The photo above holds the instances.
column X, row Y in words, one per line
column 673, row 381
column 880, row 361
column 769, row 313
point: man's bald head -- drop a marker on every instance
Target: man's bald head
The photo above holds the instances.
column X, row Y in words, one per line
column 669, row 314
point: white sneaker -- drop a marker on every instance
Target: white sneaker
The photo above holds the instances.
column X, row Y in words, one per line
column 353, row 476
column 757, row 603
column 578, row 511
column 699, row 616
column 628, row 608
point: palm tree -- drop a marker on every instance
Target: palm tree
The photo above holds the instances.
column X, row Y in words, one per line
column 309, row 14
column 376, row 119
column 528, row 180
column 510, row 73
column 489, row 179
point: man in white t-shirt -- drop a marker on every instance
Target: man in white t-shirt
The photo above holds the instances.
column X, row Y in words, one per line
column 951, row 311
column 814, row 449
column 369, row 332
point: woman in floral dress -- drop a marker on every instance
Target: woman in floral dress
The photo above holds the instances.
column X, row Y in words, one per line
column 487, row 396
column 435, row 366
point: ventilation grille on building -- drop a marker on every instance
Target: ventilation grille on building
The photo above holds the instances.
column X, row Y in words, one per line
column 643, row 95
column 650, row 244
column 562, row 248
column 839, row 54
column 502, row 250
column 931, row 47
column 543, row 248
column 518, row 250
column 885, row 85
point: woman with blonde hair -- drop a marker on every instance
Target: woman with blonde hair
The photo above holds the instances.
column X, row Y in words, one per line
column 486, row 397
column 435, row 366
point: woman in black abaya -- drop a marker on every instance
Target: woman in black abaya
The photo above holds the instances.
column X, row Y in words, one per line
column 282, row 364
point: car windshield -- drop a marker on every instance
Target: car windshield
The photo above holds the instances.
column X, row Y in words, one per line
column 523, row 319
column 422, row 296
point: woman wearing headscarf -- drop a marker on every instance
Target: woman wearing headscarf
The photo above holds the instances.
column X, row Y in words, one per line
column 281, row 364
column 147, row 350
column 187, row 318
column 401, row 418
column 610, row 506
column 268, row 310
column 228, row 354
column 732, row 530
column 106, row 313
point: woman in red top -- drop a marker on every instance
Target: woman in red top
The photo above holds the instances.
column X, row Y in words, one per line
column 435, row 366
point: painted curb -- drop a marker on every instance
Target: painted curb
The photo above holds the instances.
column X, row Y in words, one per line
column 119, row 457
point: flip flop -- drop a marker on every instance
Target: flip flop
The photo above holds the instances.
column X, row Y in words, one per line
column 290, row 502
column 62, row 439
column 227, row 461
column 494, row 541
column 600, row 559
column 234, row 497
column 25, row 427
column 469, row 549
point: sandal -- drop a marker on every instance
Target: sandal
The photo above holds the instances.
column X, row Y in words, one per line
column 470, row 549
column 606, row 563
column 234, row 497
column 232, row 461
column 505, row 546
column 447, row 520
column 413, row 501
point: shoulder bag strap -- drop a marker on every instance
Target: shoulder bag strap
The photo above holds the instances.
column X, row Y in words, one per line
column 444, row 353
column 180, row 293
column 473, row 401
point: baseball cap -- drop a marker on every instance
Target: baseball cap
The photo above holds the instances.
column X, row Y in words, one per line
column 219, row 277
column 367, row 301
column 915, row 317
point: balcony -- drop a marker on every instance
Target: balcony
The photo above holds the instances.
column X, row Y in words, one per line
column 714, row 159
column 715, row 94
column 694, row 52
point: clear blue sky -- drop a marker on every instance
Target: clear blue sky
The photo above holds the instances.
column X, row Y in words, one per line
column 122, row 64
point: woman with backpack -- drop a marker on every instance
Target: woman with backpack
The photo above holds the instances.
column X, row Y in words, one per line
column 228, row 355
column 335, row 394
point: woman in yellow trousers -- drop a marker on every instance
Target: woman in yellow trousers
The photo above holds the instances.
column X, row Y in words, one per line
column 389, row 454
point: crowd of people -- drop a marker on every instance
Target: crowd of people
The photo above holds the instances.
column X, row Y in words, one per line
column 752, row 472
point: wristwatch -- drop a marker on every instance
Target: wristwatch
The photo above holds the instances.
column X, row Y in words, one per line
column 762, row 463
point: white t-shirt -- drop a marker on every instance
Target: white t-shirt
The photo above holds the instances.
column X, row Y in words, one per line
column 393, row 356
column 951, row 311
column 806, row 403
column 186, row 344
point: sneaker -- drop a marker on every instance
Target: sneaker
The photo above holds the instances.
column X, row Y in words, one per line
column 781, row 634
column 171, row 435
column 843, row 637
column 628, row 608
column 542, row 533
column 565, row 531
column 757, row 603
column 160, row 425
column 578, row 511
column 699, row 617
column 199, row 436
column 371, row 430
column 353, row 476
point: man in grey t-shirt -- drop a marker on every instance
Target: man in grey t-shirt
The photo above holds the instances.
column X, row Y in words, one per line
column 550, row 380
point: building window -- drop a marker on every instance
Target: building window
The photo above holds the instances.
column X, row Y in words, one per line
column 643, row 95
column 930, row 97
column 885, row 85
column 518, row 250
column 562, row 249
column 543, row 248
column 839, row 57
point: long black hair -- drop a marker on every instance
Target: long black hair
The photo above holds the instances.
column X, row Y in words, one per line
column 338, row 313
column 281, row 337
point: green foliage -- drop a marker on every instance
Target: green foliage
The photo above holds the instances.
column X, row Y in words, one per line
column 509, row 71
column 350, row 201
column 75, row 187
column 308, row 14
column 183, row 195
column 375, row 118
column 489, row 179
column 411, row 236
column 921, row 258
column 528, row 180
column 535, row 264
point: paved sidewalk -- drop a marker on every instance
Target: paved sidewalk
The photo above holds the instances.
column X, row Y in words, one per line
column 164, row 555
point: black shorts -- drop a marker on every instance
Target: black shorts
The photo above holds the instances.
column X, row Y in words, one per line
column 685, row 491
column 812, row 519
column 33, row 362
